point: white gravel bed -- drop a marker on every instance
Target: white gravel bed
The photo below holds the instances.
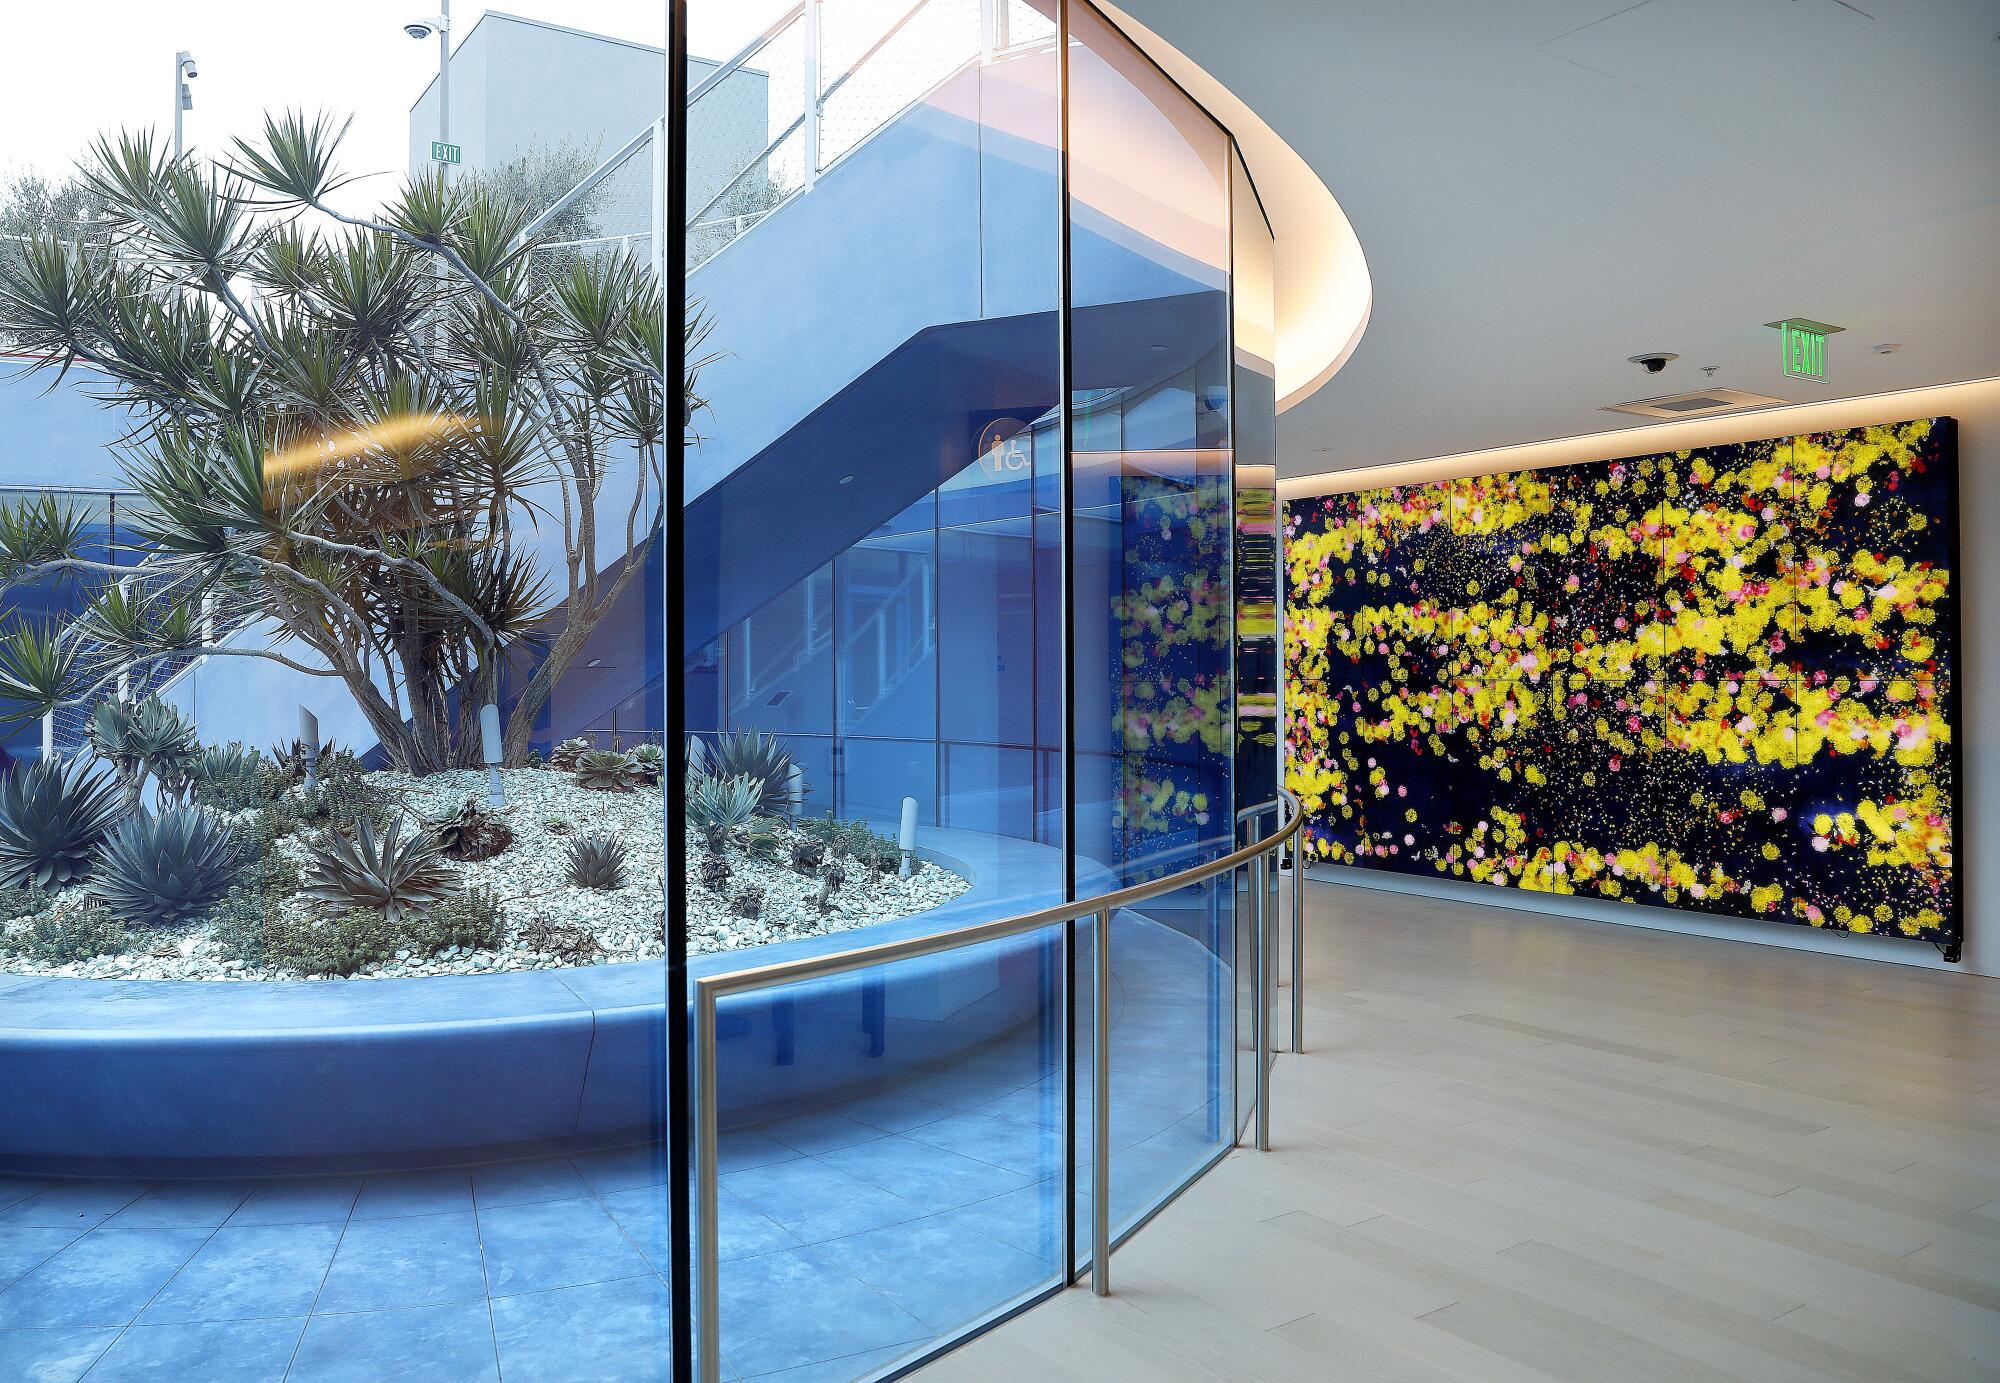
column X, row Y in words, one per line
column 546, row 810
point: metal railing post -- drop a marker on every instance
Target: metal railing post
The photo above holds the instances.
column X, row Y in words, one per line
column 708, row 1311
column 1298, row 944
column 1260, row 1020
column 1100, row 1109
column 810, row 18
column 1259, row 857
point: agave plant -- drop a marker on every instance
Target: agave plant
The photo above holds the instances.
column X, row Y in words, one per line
column 156, row 871
column 292, row 760
column 719, row 808
column 651, row 761
column 597, row 861
column 231, row 777
column 473, row 834
column 608, row 770
column 397, row 875
column 758, row 757
column 52, row 817
column 144, row 738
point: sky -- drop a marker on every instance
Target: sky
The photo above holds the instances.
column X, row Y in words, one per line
column 76, row 69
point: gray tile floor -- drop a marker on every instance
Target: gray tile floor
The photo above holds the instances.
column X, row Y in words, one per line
column 850, row 1235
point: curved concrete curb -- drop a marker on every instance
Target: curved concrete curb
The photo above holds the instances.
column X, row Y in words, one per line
column 172, row 1076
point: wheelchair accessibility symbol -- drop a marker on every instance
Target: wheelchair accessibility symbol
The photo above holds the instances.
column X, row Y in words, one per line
column 1003, row 449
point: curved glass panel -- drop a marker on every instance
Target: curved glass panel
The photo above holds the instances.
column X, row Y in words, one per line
column 869, row 597
column 404, row 732
column 1149, row 234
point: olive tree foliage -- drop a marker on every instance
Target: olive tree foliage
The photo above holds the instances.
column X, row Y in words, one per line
column 415, row 454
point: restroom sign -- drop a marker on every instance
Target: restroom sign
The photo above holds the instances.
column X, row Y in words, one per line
column 1005, row 450
column 1802, row 346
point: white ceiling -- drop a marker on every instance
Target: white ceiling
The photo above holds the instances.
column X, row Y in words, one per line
column 1545, row 187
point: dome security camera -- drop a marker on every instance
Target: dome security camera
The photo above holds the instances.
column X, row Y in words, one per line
column 425, row 27
column 1652, row 362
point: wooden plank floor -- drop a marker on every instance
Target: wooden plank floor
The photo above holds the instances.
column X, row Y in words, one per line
column 1527, row 1148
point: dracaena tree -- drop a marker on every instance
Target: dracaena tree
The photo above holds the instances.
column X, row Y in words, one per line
column 401, row 451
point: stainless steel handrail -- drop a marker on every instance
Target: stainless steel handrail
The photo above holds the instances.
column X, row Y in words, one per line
column 709, row 990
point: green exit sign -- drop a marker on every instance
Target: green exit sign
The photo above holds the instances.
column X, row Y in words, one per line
column 1802, row 346
column 442, row 152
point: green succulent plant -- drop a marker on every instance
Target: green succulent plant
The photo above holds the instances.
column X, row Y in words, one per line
column 156, row 871
column 597, row 861
column 472, row 918
column 608, row 770
column 566, row 756
column 720, row 808
column 231, row 777
column 73, row 932
column 52, row 817
column 144, row 738
column 651, row 761
column 472, row 833
column 759, row 757
column 399, row 876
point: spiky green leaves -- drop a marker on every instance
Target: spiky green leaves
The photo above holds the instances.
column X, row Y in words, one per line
column 36, row 530
column 295, row 163
column 597, row 861
column 37, row 667
column 719, row 808
column 147, row 737
column 759, row 757
column 398, row 875
column 156, row 871
column 52, row 817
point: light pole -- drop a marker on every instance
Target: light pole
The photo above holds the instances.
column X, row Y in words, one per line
column 439, row 24
column 184, row 72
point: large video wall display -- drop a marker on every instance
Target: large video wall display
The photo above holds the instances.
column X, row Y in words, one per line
column 1719, row 680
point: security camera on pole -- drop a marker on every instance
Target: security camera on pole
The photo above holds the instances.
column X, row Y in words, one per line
column 184, row 72
column 442, row 150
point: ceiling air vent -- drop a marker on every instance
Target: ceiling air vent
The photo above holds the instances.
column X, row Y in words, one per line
column 1697, row 404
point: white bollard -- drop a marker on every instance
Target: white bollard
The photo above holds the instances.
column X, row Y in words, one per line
column 489, row 742
column 309, row 737
column 906, row 839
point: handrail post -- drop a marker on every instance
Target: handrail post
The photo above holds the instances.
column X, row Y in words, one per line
column 707, row 1284
column 1260, row 1022
column 810, row 18
column 1298, row 943
column 1100, row 1109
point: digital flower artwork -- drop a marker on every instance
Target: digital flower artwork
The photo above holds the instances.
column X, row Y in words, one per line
column 1719, row 679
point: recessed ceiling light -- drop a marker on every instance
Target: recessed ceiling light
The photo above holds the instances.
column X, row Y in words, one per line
column 1887, row 348
column 1702, row 401
column 846, row 480
column 1156, row 346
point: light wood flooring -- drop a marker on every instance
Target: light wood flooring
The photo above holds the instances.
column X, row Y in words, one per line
column 1521, row 1149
